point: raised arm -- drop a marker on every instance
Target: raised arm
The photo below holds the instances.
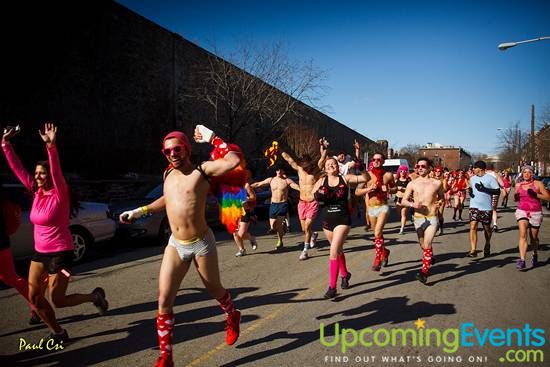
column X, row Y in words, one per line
column 290, row 161
column 226, row 156
column 323, row 145
column 355, row 180
column 13, row 160
column 49, row 137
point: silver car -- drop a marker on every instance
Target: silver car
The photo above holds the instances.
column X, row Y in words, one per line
column 91, row 224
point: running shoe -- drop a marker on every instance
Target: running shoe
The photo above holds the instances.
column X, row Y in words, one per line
column 385, row 257
column 495, row 228
column 242, row 252
column 421, row 277
column 232, row 327
column 303, row 255
column 279, row 245
column 313, row 240
column 59, row 338
column 100, row 302
column 164, row 361
column 487, row 250
column 34, row 319
column 472, row 253
column 345, row 281
column 254, row 245
column 401, row 232
column 520, row 264
column 330, row 293
column 534, row 260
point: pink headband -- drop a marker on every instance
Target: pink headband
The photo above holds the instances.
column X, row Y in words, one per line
column 181, row 137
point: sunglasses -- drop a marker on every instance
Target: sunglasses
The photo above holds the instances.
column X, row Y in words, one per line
column 377, row 159
column 169, row 151
column 420, row 166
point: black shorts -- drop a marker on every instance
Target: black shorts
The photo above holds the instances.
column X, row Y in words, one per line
column 332, row 217
column 482, row 216
column 278, row 210
column 248, row 216
column 54, row 262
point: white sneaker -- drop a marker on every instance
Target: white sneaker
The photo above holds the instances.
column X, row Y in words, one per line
column 241, row 253
column 254, row 245
column 303, row 256
column 314, row 237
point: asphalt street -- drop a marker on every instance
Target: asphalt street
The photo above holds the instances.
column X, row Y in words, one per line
column 472, row 304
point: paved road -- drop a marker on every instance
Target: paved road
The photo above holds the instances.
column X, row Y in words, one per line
column 283, row 309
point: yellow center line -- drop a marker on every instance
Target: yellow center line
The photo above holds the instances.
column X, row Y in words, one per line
column 259, row 323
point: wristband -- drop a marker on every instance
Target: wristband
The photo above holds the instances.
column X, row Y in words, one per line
column 144, row 209
column 206, row 134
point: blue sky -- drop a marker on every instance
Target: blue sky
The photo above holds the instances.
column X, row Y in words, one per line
column 409, row 72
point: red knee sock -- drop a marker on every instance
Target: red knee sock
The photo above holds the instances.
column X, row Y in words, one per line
column 378, row 246
column 333, row 267
column 427, row 254
column 226, row 303
column 165, row 328
column 342, row 265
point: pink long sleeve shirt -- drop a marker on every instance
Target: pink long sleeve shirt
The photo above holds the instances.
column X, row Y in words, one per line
column 50, row 209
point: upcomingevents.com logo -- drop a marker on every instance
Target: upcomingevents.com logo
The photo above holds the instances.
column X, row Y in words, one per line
column 522, row 343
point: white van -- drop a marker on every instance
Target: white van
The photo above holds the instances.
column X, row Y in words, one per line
column 391, row 165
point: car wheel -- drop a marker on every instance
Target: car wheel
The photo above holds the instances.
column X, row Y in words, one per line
column 82, row 242
column 164, row 232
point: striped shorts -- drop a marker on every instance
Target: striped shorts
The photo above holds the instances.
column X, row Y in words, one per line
column 188, row 250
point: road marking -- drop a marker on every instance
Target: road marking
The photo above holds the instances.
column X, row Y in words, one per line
column 259, row 323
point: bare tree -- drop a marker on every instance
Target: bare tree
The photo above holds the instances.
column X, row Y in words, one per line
column 410, row 152
column 257, row 85
column 513, row 146
column 542, row 140
column 301, row 140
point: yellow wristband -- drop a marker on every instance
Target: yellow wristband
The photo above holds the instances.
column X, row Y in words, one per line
column 145, row 210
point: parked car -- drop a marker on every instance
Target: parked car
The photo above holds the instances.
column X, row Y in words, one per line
column 155, row 226
column 92, row 223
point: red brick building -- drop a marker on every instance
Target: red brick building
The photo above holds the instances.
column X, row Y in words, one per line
column 450, row 157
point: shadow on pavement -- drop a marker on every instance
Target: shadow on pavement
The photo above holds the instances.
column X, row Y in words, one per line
column 394, row 310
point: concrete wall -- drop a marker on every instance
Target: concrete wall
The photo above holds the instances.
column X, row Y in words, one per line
column 114, row 82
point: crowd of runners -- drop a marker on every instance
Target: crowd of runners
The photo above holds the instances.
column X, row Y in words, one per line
column 333, row 187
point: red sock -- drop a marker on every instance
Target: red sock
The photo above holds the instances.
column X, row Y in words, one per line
column 165, row 328
column 342, row 265
column 427, row 254
column 333, row 268
column 378, row 246
column 226, row 303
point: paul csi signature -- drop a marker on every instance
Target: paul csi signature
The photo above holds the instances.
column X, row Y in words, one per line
column 44, row 343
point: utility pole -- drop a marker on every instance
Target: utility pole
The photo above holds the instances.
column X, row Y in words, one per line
column 532, row 137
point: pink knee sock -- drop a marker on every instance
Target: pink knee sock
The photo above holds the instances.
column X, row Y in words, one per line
column 333, row 267
column 342, row 265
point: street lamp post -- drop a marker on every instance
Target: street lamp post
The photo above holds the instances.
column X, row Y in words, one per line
column 507, row 45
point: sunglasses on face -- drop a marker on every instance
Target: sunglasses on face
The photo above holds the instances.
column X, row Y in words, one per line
column 420, row 166
column 169, row 151
column 377, row 159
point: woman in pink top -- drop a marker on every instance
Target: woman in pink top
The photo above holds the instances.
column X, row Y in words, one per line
column 528, row 194
column 53, row 246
